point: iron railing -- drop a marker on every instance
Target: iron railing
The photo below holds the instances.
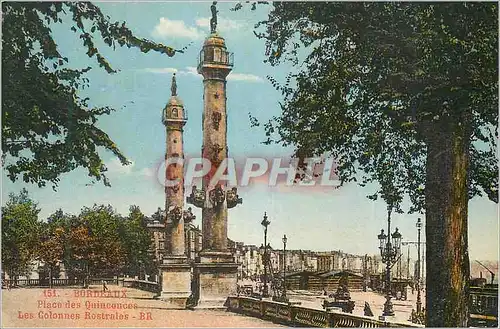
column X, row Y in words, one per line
column 215, row 56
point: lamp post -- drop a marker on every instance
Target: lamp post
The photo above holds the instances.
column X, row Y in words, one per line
column 284, row 266
column 408, row 265
column 247, row 269
column 265, row 222
column 419, row 301
column 389, row 253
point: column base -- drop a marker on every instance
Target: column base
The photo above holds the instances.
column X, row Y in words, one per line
column 175, row 282
column 215, row 275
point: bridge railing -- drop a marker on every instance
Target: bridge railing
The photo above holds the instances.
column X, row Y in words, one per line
column 292, row 315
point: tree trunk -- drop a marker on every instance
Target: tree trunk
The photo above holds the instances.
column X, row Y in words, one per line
column 446, row 196
column 50, row 276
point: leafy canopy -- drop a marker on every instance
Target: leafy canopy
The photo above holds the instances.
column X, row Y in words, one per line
column 20, row 233
column 47, row 128
column 97, row 242
column 374, row 80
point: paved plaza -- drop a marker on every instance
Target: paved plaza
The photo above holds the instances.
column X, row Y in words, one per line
column 31, row 308
column 402, row 308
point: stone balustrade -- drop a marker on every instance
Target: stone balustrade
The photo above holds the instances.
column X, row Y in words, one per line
column 140, row 284
column 297, row 316
column 56, row 282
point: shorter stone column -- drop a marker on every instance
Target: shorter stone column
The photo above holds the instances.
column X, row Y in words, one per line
column 175, row 269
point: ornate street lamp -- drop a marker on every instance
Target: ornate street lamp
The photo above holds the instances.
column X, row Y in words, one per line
column 419, row 301
column 284, row 266
column 389, row 253
column 265, row 222
column 396, row 237
column 382, row 237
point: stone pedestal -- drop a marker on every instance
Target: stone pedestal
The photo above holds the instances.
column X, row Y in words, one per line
column 215, row 275
column 175, row 282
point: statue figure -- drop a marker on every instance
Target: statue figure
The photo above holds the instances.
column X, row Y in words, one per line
column 173, row 88
column 343, row 290
column 213, row 20
column 174, row 215
column 197, row 197
column 233, row 198
column 188, row 215
column 158, row 215
column 217, row 196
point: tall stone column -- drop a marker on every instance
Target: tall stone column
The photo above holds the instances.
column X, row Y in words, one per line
column 214, row 144
column 175, row 270
column 216, row 269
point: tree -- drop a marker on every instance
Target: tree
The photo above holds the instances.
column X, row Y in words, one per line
column 136, row 241
column 20, row 232
column 101, row 250
column 61, row 227
column 51, row 248
column 79, row 252
column 403, row 94
column 47, row 128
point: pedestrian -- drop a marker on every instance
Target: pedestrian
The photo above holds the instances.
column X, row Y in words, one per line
column 104, row 287
column 367, row 310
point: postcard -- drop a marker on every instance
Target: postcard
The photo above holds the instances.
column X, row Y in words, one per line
column 249, row 164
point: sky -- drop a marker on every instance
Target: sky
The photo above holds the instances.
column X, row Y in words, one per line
column 328, row 219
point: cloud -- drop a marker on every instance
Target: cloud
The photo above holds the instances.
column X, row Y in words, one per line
column 188, row 70
column 115, row 167
column 148, row 172
column 161, row 70
column 223, row 24
column 192, row 71
column 244, row 77
column 176, row 29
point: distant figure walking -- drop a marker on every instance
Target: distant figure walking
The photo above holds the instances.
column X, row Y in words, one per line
column 104, row 287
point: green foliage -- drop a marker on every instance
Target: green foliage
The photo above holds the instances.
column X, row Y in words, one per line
column 253, row 5
column 375, row 80
column 97, row 242
column 51, row 248
column 404, row 94
column 47, row 129
column 79, row 251
column 100, row 242
column 105, row 253
column 136, row 241
column 20, row 233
